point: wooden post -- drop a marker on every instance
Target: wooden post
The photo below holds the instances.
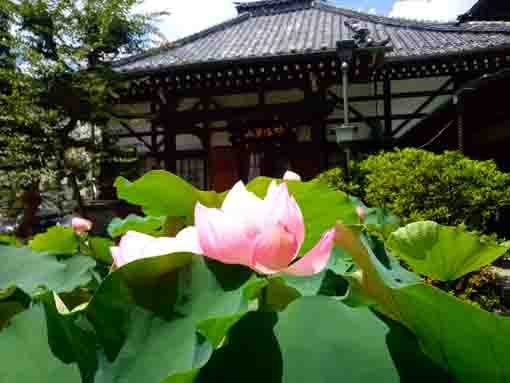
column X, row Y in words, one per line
column 460, row 106
column 168, row 114
column 388, row 125
column 154, row 134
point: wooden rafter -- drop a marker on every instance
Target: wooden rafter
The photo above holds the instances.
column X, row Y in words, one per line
column 135, row 135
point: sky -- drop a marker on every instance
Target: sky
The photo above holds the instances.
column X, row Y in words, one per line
column 190, row 16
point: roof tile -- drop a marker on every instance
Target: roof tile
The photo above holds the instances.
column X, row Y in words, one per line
column 281, row 27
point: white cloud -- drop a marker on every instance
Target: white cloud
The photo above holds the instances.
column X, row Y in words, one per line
column 189, row 16
column 440, row 10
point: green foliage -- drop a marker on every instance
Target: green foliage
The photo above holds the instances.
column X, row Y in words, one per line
column 146, row 225
column 449, row 189
column 338, row 180
column 447, row 328
column 58, row 240
column 31, row 271
column 417, row 185
column 442, row 253
column 163, row 194
column 99, row 248
column 61, row 85
column 33, row 361
column 183, row 318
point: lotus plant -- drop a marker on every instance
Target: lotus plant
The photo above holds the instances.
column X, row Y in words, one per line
column 265, row 235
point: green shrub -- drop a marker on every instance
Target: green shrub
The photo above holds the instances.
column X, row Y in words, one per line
column 449, row 188
column 337, row 180
column 417, row 185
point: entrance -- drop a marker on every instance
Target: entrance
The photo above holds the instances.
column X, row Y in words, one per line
column 266, row 151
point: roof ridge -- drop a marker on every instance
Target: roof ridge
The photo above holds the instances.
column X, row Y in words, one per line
column 271, row 6
column 184, row 40
column 426, row 25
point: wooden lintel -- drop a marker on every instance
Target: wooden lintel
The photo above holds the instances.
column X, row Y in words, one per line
column 290, row 110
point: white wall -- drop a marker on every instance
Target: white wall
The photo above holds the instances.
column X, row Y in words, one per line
column 367, row 108
column 398, row 105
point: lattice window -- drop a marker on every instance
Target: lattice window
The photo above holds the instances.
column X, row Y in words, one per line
column 193, row 171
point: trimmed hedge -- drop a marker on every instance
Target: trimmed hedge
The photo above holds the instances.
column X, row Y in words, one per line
column 417, row 185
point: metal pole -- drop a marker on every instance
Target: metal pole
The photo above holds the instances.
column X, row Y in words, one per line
column 345, row 92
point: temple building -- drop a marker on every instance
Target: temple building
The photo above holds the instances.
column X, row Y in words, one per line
column 305, row 85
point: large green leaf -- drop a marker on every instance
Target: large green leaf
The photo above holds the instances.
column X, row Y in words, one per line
column 163, row 194
column 58, row 240
column 321, row 207
column 440, row 252
column 154, row 349
column 319, row 339
column 10, row 240
column 470, row 343
column 146, row 225
column 349, row 345
column 70, row 342
column 100, row 249
column 252, row 354
column 26, row 355
column 29, row 271
column 141, row 345
column 8, row 310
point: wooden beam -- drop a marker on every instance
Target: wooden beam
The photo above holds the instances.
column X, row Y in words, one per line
column 427, row 102
column 388, row 124
column 134, row 135
column 353, row 110
column 395, row 117
column 291, row 110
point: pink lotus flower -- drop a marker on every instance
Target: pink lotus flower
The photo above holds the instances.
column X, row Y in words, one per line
column 134, row 246
column 265, row 235
column 81, row 225
column 291, row 176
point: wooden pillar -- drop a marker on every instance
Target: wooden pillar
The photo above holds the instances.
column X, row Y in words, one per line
column 170, row 121
column 318, row 131
column 154, row 133
column 460, row 102
column 388, row 125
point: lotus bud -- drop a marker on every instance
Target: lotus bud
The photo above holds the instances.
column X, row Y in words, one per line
column 81, row 225
column 291, row 176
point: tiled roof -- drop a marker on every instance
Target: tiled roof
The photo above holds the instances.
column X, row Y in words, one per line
column 270, row 28
column 488, row 10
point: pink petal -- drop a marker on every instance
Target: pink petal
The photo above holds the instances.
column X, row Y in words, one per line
column 281, row 208
column 272, row 191
column 291, row 176
column 245, row 208
column 316, row 259
column 240, row 201
column 118, row 260
column 132, row 245
column 275, row 248
column 188, row 239
column 222, row 236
